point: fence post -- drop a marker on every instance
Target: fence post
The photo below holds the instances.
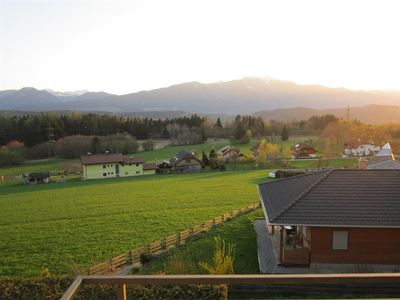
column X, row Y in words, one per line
column 121, row 292
column 111, row 265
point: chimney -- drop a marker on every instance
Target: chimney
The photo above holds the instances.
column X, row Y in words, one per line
column 362, row 164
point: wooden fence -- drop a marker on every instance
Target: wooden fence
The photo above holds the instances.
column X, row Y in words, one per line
column 334, row 285
column 164, row 245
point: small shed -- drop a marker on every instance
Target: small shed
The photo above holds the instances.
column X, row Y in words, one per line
column 38, row 177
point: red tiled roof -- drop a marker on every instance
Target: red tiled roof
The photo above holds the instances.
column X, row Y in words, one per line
column 134, row 160
column 151, row 166
column 94, row 159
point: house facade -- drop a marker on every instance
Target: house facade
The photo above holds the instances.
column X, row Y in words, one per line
column 358, row 149
column 335, row 217
column 229, row 153
column 98, row 166
column 185, row 161
column 303, row 151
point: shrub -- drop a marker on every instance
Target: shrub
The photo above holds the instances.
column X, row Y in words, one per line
column 9, row 158
column 222, row 260
column 42, row 150
column 145, row 258
column 136, row 267
column 179, row 263
column 54, row 287
column 148, row 145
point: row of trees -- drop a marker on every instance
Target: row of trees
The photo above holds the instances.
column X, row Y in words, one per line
column 15, row 152
column 35, row 129
column 39, row 128
column 336, row 134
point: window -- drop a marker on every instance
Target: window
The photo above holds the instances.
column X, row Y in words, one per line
column 126, row 173
column 111, row 165
column 104, row 166
column 188, row 161
column 108, row 173
column 137, row 165
column 137, row 172
column 340, row 240
column 104, row 174
column 112, row 173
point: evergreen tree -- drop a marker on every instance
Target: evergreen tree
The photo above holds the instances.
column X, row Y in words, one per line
column 96, row 145
column 213, row 154
column 213, row 159
column 218, row 124
column 285, row 134
column 205, row 159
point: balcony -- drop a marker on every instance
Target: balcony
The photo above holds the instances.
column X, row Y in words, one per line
column 370, row 283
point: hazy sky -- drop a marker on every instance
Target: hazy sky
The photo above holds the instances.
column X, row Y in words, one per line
column 125, row 46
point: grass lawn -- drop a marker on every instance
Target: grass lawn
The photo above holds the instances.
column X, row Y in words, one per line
column 239, row 231
column 324, row 163
column 67, row 226
column 52, row 165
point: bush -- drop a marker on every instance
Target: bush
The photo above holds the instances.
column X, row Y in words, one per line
column 223, row 258
column 179, row 263
column 54, row 287
column 148, row 145
column 9, row 158
column 136, row 267
column 42, row 150
column 287, row 173
column 73, row 146
column 145, row 258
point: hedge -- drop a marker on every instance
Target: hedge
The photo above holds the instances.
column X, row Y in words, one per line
column 54, row 287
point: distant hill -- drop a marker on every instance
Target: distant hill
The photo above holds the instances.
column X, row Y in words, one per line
column 371, row 114
column 31, row 99
column 244, row 96
column 26, row 99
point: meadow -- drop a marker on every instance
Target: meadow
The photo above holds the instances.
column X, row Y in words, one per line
column 70, row 226
column 239, row 232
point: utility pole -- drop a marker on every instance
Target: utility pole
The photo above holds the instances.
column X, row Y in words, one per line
column 50, row 140
column 51, row 134
column 348, row 113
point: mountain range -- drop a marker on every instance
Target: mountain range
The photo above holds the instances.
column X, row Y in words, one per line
column 269, row 98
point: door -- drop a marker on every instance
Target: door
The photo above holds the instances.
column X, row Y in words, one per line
column 117, row 170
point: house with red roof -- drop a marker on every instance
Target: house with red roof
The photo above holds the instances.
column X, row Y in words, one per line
column 110, row 165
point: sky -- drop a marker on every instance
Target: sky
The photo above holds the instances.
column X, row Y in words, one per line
column 127, row 46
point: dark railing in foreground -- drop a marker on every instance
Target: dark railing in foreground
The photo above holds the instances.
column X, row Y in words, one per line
column 123, row 280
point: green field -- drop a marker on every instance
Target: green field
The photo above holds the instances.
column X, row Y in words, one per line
column 53, row 165
column 67, row 226
column 239, row 231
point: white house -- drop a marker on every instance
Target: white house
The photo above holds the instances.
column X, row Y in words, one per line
column 358, row 149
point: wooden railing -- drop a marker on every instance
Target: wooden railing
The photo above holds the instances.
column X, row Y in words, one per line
column 164, row 245
column 123, row 280
column 296, row 256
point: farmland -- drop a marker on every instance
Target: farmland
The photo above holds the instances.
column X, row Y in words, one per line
column 70, row 226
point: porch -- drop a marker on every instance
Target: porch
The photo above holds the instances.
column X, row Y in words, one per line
column 290, row 245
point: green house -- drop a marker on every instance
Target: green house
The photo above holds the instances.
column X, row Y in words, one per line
column 97, row 166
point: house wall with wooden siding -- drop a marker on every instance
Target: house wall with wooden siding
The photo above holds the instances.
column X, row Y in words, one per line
column 189, row 165
column 365, row 246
